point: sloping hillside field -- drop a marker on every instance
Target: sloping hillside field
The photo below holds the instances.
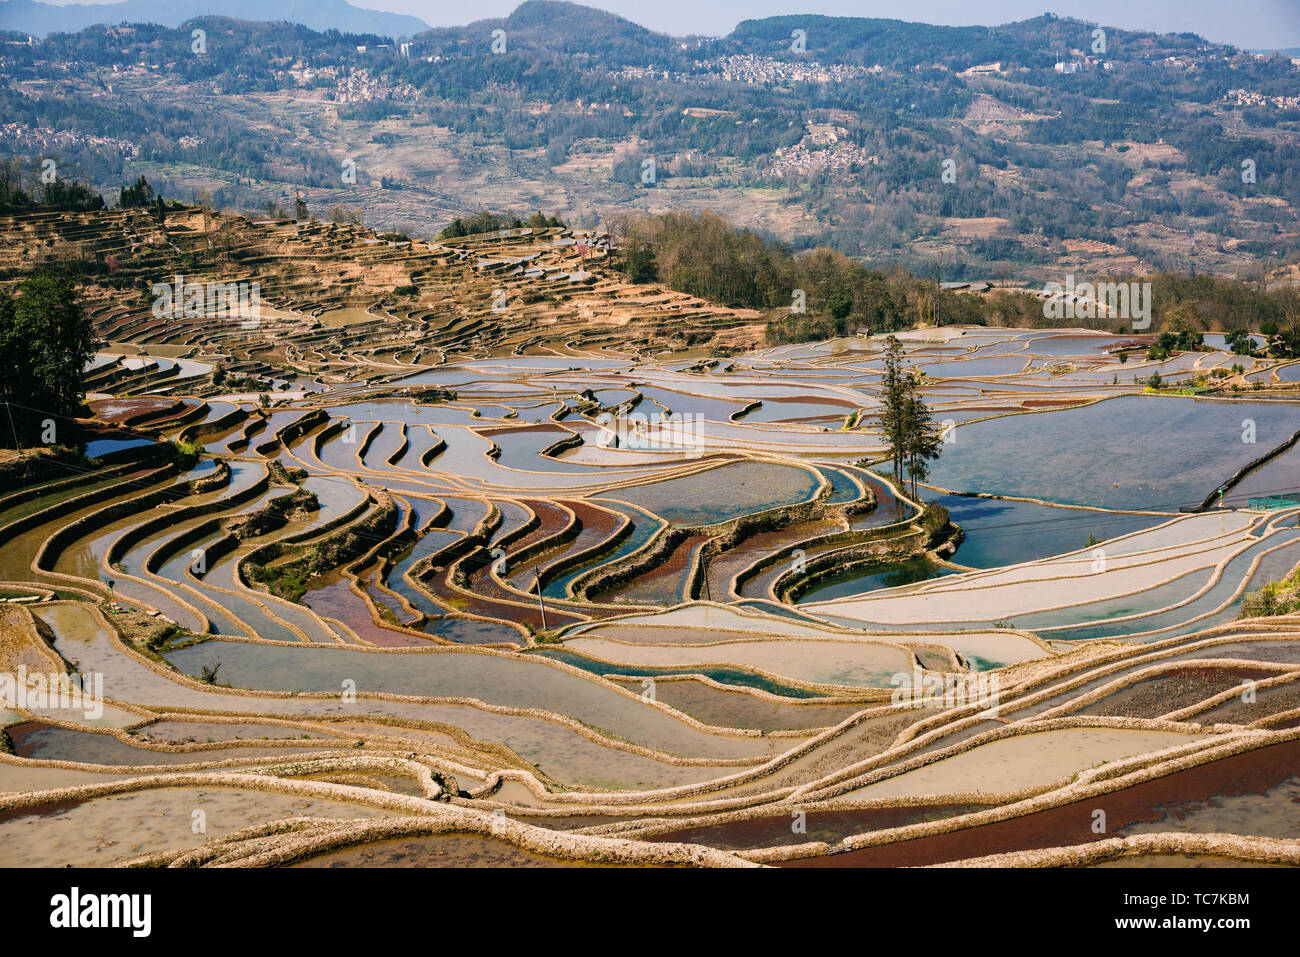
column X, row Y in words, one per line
column 490, row 558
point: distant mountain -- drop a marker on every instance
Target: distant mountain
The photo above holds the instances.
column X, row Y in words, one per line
column 899, row 43
column 1075, row 147
column 40, row 19
column 559, row 28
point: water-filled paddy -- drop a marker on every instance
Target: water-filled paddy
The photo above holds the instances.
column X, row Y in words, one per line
column 735, row 709
column 45, row 743
column 1006, row 766
column 851, row 663
column 874, row 576
column 496, row 678
column 644, row 526
column 736, row 677
column 723, row 493
column 1007, row 532
column 98, row 447
column 1133, row 452
column 110, row 829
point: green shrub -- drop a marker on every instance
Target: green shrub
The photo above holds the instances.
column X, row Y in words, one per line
column 1275, row 598
column 186, row 453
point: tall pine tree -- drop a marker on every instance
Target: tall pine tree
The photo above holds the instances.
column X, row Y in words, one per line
column 914, row 438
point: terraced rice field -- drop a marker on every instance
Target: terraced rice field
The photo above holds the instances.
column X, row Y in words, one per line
column 467, row 590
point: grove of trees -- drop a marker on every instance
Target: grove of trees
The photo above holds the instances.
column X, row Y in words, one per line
column 46, row 340
column 488, row 222
column 821, row 293
column 914, row 438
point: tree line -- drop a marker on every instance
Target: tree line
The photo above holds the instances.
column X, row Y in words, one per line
column 488, row 222
column 57, row 194
column 821, row 293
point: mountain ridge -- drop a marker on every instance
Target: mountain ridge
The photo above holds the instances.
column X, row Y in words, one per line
column 1000, row 150
column 569, row 25
column 42, row 19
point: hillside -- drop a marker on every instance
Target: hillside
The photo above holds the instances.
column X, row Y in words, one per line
column 1011, row 151
column 427, row 301
column 41, row 19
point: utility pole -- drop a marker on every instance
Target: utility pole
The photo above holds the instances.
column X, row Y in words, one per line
column 9, row 409
column 938, row 290
column 541, row 603
column 708, row 597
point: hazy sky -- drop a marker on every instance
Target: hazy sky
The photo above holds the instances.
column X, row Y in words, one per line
column 1245, row 23
column 1265, row 24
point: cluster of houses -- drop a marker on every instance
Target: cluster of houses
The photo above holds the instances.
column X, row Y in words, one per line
column 761, row 69
column 1251, row 98
column 360, row 87
column 305, row 75
column 45, row 139
column 757, row 70
column 1087, row 63
column 823, row 149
